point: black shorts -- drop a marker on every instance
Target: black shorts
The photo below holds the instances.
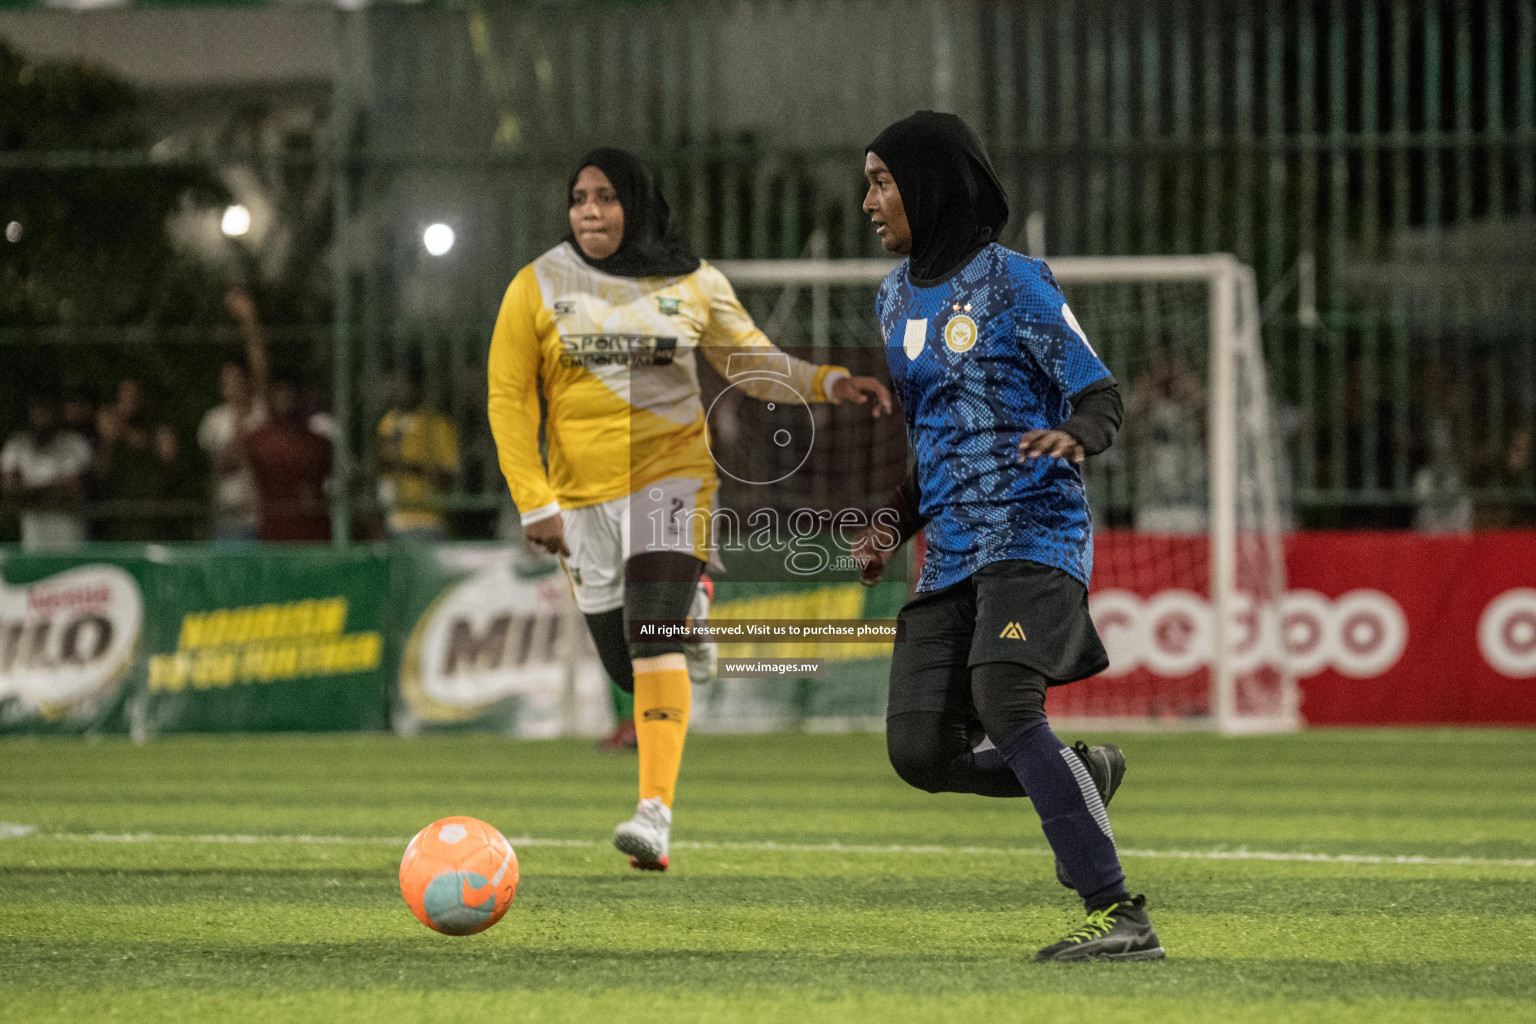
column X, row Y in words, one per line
column 1013, row 611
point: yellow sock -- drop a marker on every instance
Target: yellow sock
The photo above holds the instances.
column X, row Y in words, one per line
column 662, row 697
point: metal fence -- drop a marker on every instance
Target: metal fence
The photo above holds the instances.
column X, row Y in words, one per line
column 1375, row 161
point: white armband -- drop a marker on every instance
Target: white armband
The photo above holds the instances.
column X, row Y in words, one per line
column 830, row 379
column 538, row 515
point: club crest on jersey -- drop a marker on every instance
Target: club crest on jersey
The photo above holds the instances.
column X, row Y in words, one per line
column 669, row 307
column 916, row 337
column 960, row 333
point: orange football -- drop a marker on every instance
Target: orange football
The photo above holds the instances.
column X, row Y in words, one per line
column 458, row 876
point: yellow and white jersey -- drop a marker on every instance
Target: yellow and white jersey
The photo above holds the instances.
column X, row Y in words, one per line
column 616, row 358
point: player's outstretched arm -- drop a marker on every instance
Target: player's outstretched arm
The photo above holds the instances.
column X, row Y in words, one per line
column 243, row 308
column 731, row 332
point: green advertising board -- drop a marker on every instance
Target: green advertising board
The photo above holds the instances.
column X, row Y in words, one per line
column 852, row 690
column 165, row 639
column 290, row 640
column 488, row 638
column 161, row 639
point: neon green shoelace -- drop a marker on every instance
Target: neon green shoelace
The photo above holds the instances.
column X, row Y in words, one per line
column 1098, row 923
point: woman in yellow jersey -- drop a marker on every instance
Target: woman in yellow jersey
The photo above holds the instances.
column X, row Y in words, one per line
column 609, row 324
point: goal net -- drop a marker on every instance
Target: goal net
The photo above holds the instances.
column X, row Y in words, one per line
column 1189, row 504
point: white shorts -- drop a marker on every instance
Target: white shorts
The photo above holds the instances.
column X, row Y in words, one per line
column 668, row 515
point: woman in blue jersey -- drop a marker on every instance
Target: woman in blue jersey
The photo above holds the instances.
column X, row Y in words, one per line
column 1004, row 397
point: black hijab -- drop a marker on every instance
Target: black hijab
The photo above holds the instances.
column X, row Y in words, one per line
column 954, row 202
column 649, row 248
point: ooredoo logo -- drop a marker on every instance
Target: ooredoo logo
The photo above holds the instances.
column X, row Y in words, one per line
column 1506, row 633
column 1360, row 634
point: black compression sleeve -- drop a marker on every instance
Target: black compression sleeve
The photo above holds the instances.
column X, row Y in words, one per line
column 659, row 585
column 607, row 630
column 1096, row 414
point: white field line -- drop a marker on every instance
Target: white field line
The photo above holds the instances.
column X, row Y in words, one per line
column 12, row 831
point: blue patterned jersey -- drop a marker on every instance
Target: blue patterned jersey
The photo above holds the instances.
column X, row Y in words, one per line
column 977, row 361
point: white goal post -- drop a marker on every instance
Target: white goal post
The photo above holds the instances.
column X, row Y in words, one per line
column 1155, row 302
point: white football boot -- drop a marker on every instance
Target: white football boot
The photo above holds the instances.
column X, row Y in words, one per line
column 646, row 836
column 700, row 654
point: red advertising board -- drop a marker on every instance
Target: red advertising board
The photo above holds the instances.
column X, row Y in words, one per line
column 1379, row 629
column 1469, row 607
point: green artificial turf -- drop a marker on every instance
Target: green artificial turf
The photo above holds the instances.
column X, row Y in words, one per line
column 254, row 879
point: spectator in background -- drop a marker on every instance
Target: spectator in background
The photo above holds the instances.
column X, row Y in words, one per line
column 79, row 414
column 1444, row 506
column 44, row 469
column 313, row 399
column 1165, row 421
column 1442, row 503
column 243, row 386
column 1373, row 443
column 479, row 468
column 290, row 465
column 418, row 462
column 1508, row 475
column 138, row 467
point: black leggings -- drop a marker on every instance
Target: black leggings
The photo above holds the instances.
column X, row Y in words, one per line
column 657, row 585
column 932, row 750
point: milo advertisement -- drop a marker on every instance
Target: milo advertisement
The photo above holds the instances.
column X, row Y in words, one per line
column 491, row 639
column 171, row 639
column 164, row 639
column 70, row 638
